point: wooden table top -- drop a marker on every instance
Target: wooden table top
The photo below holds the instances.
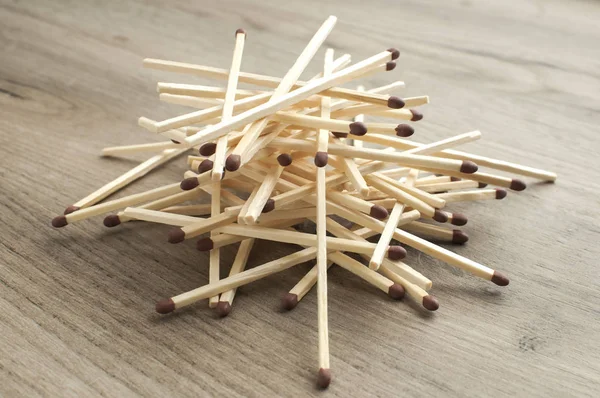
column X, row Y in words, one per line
column 77, row 304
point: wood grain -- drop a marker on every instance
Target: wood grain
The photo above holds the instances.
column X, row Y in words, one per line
column 76, row 304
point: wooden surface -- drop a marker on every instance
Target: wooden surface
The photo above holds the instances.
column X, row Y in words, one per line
column 76, row 304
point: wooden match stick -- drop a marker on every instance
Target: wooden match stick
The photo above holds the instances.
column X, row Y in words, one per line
column 451, row 186
column 189, row 210
column 158, row 216
column 430, row 179
column 125, row 179
column 195, row 90
column 415, row 292
column 230, row 95
column 214, row 259
column 501, row 181
column 437, row 233
column 239, row 264
column 422, row 195
column 321, row 157
column 187, row 100
column 477, row 194
column 133, row 149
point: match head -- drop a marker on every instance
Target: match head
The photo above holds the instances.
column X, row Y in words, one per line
column 416, row 115
column 59, row 221
column 396, row 252
column 321, row 159
column 269, row 206
column 205, row 244
column 70, row 209
column 500, row 279
column 459, row 219
column 165, row 306
column 517, row 185
column 404, row 130
column 395, row 52
column 430, row 303
column 396, row 291
column 378, row 212
column 205, row 165
column 468, row 167
column 501, row 193
column 175, row 142
column 240, row 31
column 111, row 221
column 189, row 183
column 233, row 162
column 440, row 216
column 459, row 237
column 223, row 309
column 358, row 128
column 284, row 159
column 454, row 179
column 395, row 102
column 482, row 185
column 176, row 235
column 337, row 134
column 289, row 301
column 324, row 378
column 390, row 65
column 208, row 149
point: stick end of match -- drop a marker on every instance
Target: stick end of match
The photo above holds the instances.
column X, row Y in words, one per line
column 404, row 130
column 500, row 279
column 468, row 167
column 223, row 309
column 324, row 378
column 430, row 303
column 59, row 221
column 71, row 209
column 459, row 237
column 176, row 235
column 289, row 301
column 165, row 306
column 111, row 221
column 396, row 291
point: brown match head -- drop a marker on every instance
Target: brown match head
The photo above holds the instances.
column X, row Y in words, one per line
column 500, row 279
column 321, row 159
column 269, row 206
column 71, row 209
column 416, row 115
column 501, row 193
column 324, row 378
column 395, row 102
column 337, row 134
column 396, row 252
column 358, row 128
column 440, row 216
column 459, row 219
column 430, row 303
column 390, row 65
column 284, row 160
column 404, row 130
column 189, row 183
column 482, row 185
column 396, row 291
column 165, row 306
column 205, row 244
column 59, row 221
column 378, row 212
column 289, row 301
column 395, row 52
column 205, row 165
column 175, row 142
column 468, row 167
column 223, row 309
column 240, row 31
column 233, row 162
column 176, row 235
column 517, row 185
column 111, row 221
column 208, row 149
column 454, row 179
column 459, row 237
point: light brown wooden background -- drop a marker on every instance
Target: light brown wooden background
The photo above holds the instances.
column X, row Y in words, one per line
column 76, row 305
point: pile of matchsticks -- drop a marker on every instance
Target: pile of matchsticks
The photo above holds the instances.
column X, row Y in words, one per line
column 272, row 160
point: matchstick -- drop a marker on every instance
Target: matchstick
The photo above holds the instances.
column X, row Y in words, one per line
column 189, row 210
column 186, row 100
column 214, row 266
column 239, row 264
column 158, row 216
column 422, row 195
column 451, row 186
column 321, row 157
column 437, row 233
column 195, row 90
column 418, row 294
column 477, row 194
column 133, row 149
column 230, row 95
